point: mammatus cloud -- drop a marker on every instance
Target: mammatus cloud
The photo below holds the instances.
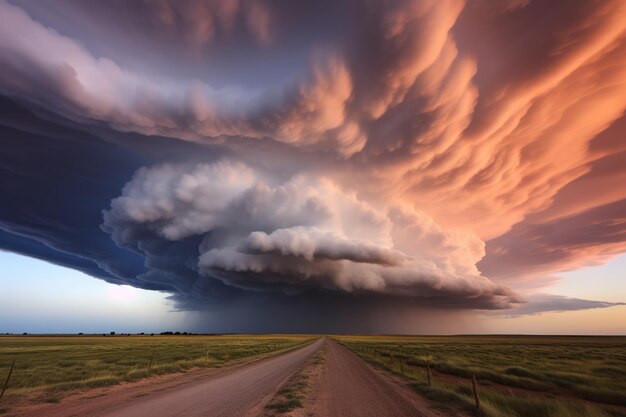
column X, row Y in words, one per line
column 302, row 233
column 200, row 22
column 397, row 97
column 429, row 150
column 71, row 80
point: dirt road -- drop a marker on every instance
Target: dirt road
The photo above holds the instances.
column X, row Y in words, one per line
column 229, row 395
column 345, row 387
column 348, row 387
column 228, row 392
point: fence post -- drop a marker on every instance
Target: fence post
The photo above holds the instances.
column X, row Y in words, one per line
column 401, row 367
column 428, row 373
column 6, row 383
column 476, row 399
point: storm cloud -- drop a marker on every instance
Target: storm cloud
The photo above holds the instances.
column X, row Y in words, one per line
column 300, row 233
column 442, row 153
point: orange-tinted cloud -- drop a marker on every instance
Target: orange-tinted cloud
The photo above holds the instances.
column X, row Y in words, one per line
column 501, row 125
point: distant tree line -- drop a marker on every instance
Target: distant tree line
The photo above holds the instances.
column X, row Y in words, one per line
column 168, row 333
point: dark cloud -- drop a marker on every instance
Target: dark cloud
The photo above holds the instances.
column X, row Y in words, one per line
column 333, row 313
column 56, row 180
column 47, row 167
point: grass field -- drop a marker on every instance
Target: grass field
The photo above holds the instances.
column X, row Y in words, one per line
column 517, row 375
column 63, row 362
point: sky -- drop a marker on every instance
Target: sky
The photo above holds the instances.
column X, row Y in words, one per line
column 416, row 166
column 45, row 298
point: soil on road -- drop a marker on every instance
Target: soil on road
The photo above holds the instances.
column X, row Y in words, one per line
column 349, row 387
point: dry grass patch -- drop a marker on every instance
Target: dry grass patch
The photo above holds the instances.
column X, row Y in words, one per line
column 293, row 394
column 50, row 365
column 519, row 376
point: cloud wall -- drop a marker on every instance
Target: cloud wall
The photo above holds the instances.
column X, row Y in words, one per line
column 449, row 153
column 302, row 233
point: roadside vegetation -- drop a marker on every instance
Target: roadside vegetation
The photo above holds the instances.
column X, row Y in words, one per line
column 58, row 363
column 293, row 393
column 517, row 376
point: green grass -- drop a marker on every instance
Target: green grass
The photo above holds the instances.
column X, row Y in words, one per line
column 290, row 402
column 550, row 376
column 65, row 362
column 293, row 393
column 290, row 396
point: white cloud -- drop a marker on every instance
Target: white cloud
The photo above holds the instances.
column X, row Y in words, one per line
column 302, row 233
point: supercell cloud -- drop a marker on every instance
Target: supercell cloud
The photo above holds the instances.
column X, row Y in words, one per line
column 425, row 153
column 303, row 233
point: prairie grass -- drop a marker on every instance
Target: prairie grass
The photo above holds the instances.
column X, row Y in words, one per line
column 294, row 391
column 59, row 363
column 519, row 376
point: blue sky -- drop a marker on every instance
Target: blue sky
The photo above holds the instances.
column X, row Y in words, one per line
column 38, row 297
column 605, row 282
